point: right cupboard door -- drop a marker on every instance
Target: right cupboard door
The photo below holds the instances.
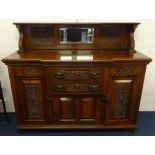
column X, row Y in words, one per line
column 124, row 93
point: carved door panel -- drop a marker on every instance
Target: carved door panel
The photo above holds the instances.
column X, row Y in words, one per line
column 122, row 101
column 89, row 110
column 30, row 97
column 64, row 110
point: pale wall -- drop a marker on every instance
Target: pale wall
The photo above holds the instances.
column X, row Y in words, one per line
column 144, row 39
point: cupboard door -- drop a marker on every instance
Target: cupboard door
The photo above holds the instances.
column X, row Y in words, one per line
column 124, row 93
column 75, row 110
column 64, row 110
column 30, row 97
column 89, row 111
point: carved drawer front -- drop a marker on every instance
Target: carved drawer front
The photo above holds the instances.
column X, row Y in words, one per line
column 124, row 70
column 28, row 71
column 75, row 74
column 76, row 88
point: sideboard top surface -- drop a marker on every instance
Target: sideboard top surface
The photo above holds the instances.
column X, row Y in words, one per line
column 55, row 56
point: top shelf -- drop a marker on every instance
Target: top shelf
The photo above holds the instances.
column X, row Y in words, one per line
column 76, row 36
column 77, row 23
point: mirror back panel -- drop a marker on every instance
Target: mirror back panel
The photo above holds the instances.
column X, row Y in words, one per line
column 113, row 36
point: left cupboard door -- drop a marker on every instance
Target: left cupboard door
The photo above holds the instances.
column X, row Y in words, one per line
column 31, row 101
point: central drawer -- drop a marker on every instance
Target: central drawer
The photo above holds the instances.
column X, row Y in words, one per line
column 74, row 80
column 74, row 75
column 77, row 88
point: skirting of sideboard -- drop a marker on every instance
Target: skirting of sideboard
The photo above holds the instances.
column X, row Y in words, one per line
column 132, row 126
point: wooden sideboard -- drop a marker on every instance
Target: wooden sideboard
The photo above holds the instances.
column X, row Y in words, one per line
column 76, row 76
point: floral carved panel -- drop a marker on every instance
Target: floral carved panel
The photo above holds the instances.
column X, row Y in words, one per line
column 122, row 98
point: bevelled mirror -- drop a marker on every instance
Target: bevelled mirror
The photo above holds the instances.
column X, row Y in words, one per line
column 76, row 35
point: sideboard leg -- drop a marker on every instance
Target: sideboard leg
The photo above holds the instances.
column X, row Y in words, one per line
column 20, row 131
column 133, row 130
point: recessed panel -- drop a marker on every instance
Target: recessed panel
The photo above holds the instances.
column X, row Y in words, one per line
column 87, row 109
column 122, row 98
column 67, row 108
column 33, row 98
column 41, row 34
column 114, row 37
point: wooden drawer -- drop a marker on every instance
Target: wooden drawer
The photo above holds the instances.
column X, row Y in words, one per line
column 78, row 88
column 28, row 71
column 76, row 74
column 74, row 80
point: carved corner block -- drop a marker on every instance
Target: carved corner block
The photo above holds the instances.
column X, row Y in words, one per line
column 132, row 40
column 20, row 51
column 21, row 36
column 124, row 71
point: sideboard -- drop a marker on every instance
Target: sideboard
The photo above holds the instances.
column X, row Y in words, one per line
column 76, row 76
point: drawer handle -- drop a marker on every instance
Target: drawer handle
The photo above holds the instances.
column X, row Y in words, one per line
column 60, row 88
column 93, row 87
column 59, row 75
column 94, row 75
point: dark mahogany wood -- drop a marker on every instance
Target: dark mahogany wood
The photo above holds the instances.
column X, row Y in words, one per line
column 103, row 92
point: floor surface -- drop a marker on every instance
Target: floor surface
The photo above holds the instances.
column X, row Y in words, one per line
column 146, row 127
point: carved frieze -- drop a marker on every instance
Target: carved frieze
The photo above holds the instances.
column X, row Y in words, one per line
column 29, row 71
column 124, row 71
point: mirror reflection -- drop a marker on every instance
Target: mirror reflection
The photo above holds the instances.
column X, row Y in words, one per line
column 76, row 57
column 76, row 35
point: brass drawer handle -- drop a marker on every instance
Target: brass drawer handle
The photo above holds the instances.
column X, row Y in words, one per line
column 60, row 88
column 59, row 75
column 94, row 75
column 93, row 87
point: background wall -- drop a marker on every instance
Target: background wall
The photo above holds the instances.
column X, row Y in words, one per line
column 144, row 40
